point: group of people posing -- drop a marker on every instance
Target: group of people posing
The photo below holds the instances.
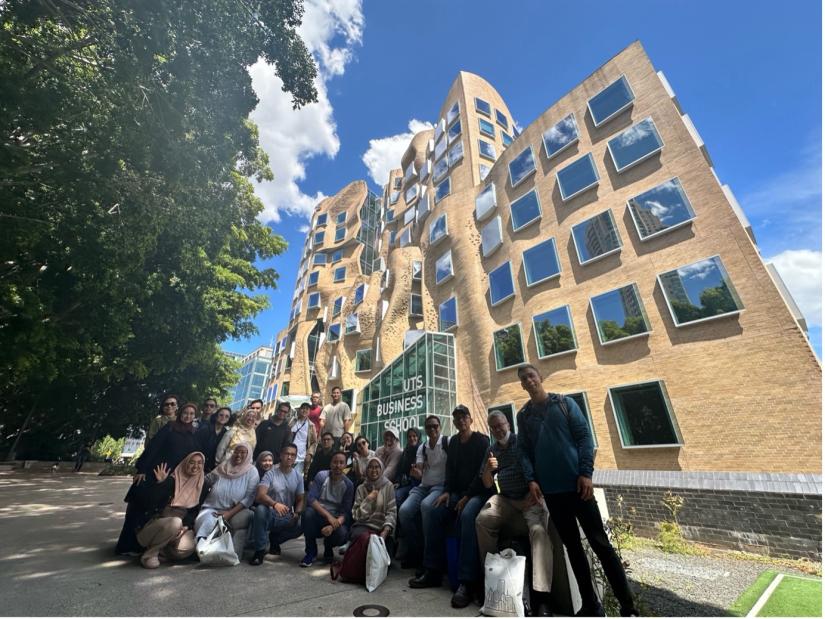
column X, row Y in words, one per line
column 280, row 479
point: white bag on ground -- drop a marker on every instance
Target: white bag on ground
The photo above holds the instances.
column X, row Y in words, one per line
column 503, row 584
column 217, row 547
column 378, row 561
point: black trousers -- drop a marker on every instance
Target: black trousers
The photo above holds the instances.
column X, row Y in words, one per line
column 565, row 509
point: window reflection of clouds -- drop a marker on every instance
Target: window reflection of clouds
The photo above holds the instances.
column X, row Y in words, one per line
column 560, row 135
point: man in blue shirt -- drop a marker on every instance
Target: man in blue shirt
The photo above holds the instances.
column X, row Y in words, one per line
column 557, row 459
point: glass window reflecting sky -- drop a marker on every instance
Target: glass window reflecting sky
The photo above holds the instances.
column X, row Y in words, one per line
column 501, row 284
column 577, row 177
column 541, row 262
column 610, row 101
column 699, row 291
column 522, row 166
column 619, row 314
column 660, row 209
column 635, row 144
column 561, row 135
column 525, row 210
column 596, row 237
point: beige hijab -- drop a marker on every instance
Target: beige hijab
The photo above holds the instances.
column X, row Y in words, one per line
column 187, row 487
column 229, row 470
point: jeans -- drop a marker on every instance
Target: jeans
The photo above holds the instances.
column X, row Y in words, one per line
column 284, row 528
column 421, row 498
column 443, row 515
column 312, row 522
column 567, row 507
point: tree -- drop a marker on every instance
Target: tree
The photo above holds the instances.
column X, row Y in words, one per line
column 128, row 221
column 555, row 338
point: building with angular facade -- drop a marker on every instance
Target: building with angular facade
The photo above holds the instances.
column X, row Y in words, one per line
column 252, row 376
column 599, row 245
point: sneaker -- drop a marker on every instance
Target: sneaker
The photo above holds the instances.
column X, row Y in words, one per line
column 257, row 558
column 307, row 561
column 461, row 597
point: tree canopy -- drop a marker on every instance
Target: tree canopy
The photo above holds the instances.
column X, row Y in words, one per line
column 127, row 216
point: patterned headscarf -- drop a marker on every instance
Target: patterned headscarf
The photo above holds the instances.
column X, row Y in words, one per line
column 229, row 470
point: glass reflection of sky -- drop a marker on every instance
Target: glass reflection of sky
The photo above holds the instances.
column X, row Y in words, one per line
column 447, row 314
column 610, row 100
column 491, row 236
column 443, row 190
column 541, row 261
column 610, row 306
column 443, row 267
column 486, row 127
column 525, row 209
column 501, row 283
column 482, row 106
column 596, row 236
column 521, row 166
column 440, row 147
column 560, row 135
column 453, row 113
column 454, row 131
column 665, row 204
column 486, row 201
column 456, row 154
column 555, row 317
column 699, row 276
column 440, row 169
column 438, row 228
column 641, row 140
column 486, row 149
column 578, row 175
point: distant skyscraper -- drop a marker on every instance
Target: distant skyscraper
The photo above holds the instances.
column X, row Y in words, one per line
column 252, row 376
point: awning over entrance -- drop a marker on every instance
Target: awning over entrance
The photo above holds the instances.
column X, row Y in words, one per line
column 419, row 382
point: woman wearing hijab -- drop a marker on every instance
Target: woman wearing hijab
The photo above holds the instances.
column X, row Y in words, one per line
column 374, row 508
column 210, row 433
column 264, row 463
column 242, row 432
column 167, row 505
column 404, row 481
column 233, row 482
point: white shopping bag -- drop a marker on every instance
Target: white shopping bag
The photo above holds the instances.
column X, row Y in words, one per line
column 217, row 548
column 503, row 584
column 378, row 561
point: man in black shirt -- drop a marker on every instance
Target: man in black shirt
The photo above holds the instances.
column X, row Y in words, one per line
column 274, row 434
column 323, row 456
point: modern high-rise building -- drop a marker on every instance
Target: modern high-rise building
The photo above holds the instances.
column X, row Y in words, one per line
column 252, row 376
column 599, row 245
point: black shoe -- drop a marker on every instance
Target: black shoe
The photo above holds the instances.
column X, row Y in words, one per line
column 275, row 549
column 428, row 579
column 542, row 610
column 630, row 612
column 461, row 598
column 597, row 611
column 257, row 558
column 328, row 556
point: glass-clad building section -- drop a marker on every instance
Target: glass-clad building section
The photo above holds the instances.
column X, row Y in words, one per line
column 370, row 232
column 252, row 377
column 421, row 381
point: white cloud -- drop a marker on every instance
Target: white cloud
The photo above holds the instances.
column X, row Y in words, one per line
column 801, row 270
column 331, row 29
column 303, row 229
column 384, row 154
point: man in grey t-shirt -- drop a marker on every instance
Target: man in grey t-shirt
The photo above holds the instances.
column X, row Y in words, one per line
column 336, row 417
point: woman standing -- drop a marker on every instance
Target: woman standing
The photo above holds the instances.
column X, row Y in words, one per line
column 242, row 432
column 210, row 433
column 374, row 508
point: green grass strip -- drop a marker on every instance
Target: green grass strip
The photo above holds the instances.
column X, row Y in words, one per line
column 742, row 606
column 795, row 597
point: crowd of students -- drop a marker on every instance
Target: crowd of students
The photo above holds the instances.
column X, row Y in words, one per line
column 280, row 479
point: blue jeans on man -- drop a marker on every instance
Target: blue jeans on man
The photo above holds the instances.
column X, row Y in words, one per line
column 283, row 528
column 465, row 528
column 312, row 522
column 421, row 498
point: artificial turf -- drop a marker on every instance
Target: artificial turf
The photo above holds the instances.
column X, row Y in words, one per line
column 748, row 598
column 794, row 597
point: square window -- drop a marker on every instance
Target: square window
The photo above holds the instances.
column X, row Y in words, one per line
column 394, row 197
column 438, row 229
column 397, row 182
column 322, row 220
column 634, row 145
column 561, row 135
column 444, row 268
column 448, row 315
column 339, row 275
column 509, row 347
column 352, row 324
column 409, row 173
column 486, row 128
column 440, row 170
column 442, row 190
column 440, row 127
column 541, row 262
column 491, row 237
column 360, row 293
column 363, row 360
column 700, row 291
column 314, row 300
column 404, row 238
column 334, row 332
column 455, row 154
column 417, row 268
column 440, row 148
column 285, row 389
column 409, row 215
column 416, row 305
column 392, row 236
column 337, row 305
column 501, row 119
column 522, row 166
column 318, row 239
column 525, row 210
column 619, row 314
column 554, row 332
column 341, row 218
column 454, row 131
column 411, row 193
column 506, row 139
column 389, row 215
column 452, row 114
column 319, row 259
column 596, row 237
column 483, row 107
column 501, row 284
column 580, row 398
column 577, row 177
column 486, row 202
column 611, row 101
column 337, row 256
column 483, row 171
column 487, row 150
column 425, row 170
column 423, row 205
column 644, row 415
column 340, row 233
column 658, row 210
column 313, row 278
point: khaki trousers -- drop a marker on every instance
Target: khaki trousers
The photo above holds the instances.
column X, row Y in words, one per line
column 162, row 534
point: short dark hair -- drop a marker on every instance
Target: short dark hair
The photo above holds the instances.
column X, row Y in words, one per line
column 334, row 388
column 329, row 434
column 168, row 396
column 224, row 408
column 343, row 454
column 525, row 367
column 305, row 405
column 282, row 404
column 436, row 417
column 463, row 410
column 287, row 446
column 256, row 400
column 210, row 399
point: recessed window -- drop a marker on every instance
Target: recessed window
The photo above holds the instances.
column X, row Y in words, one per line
column 314, row 300
column 486, row 128
column 394, row 197
column 438, row 229
column 416, row 305
column 319, row 259
column 509, row 347
column 409, row 215
column 337, row 256
column 454, row 131
column 416, row 268
column 577, row 177
column 491, row 237
column 444, row 268
column 483, row 107
column 442, row 190
column 644, row 416
column 352, row 324
column 486, row 202
column 452, row 114
column 448, row 315
column 389, row 215
column 385, row 280
column 455, row 154
column 334, row 332
column 341, row 218
column 483, row 171
column 561, row 135
column 596, row 237
column 522, row 166
column 619, row 314
column 634, row 145
column 426, row 169
column 285, row 389
column 700, row 291
column 423, row 205
column 541, row 262
column 339, row 274
column 506, row 139
column 397, row 182
column 554, row 332
column 322, row 220
column 525, row 210
column 334, row 368
column 611, row 101
column 404, row 238
column 487, row 150
column 440, row 127
column 501, row 284
column 501, row 119
column 360, row 292
column 392, row 236
column 340, row 233
column 318, row 238
column 337, row 305
column 658, row 210
column 440, row 170
column 313, row 278
column 409, row 173
column 411, row 193
column 440, row 147
column 580, row 398
column 363, row 360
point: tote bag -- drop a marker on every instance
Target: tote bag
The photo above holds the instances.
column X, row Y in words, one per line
column 378, row 562
column 217, row 548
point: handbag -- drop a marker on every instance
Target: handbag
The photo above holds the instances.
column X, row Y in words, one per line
column 378, row 562
column 353, row 567
column 217, row 547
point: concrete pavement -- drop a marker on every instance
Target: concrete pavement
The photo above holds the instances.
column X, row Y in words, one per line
column 57, row 536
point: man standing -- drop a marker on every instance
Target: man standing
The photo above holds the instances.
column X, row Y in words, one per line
column 330, row 500
column 274, row 434
column 279, row 502
column 304, row 436
column 557, row 457
column 336, row 417
column 257, row 406
column 168, row 410
column 315, row 411
column 210, row 405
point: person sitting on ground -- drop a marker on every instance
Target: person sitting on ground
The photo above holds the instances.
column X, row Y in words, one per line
column 329, row 506
column 390, row 454
column 242, row 432
column 404, row 478
column 167, row 507
column 168, row 410
column 264, row 463
column 359, row 460
column 233, row 490
column 274, row 434
column 322, row 458
column 280, row 501
column 210, row 433
column 304, row 436
column 374, row 509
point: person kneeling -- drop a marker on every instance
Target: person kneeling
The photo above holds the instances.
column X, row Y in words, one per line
column 374, row 510
column 329, row 503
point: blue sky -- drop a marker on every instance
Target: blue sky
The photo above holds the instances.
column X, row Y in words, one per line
column 749, row 79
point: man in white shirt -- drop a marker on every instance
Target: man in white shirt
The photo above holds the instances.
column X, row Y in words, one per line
column 303, row 435
column 336, row 417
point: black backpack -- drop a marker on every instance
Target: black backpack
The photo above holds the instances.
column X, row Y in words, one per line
column 444, row 444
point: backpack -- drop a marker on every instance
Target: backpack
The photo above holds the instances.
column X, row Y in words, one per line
column 353, row 566
column 444, row 444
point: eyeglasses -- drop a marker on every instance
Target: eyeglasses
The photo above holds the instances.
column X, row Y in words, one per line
column 170, row 403
column 431, row 426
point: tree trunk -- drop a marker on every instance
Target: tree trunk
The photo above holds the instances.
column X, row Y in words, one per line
column 12, row 452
